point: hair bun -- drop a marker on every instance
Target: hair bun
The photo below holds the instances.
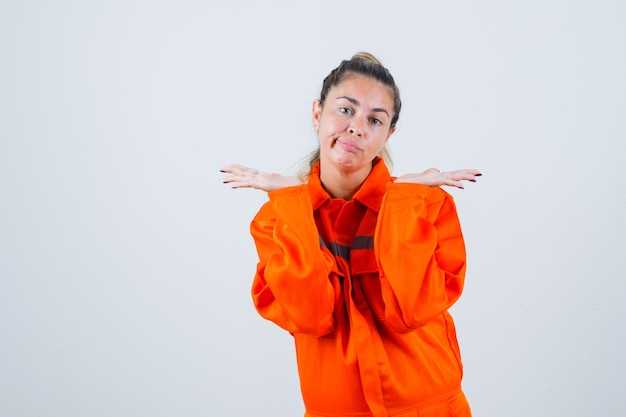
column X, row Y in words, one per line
column 367, row 57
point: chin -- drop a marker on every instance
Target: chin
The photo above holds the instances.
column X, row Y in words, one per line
column 344, row 162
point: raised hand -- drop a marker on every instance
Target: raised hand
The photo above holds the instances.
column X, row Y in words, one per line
column 244, row 177
column 434, row 178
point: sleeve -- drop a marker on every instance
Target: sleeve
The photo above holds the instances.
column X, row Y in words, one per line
column 292, row 287
column 420, row 252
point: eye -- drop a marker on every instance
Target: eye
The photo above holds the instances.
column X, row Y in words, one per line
column 346, row 110
column 375, row 121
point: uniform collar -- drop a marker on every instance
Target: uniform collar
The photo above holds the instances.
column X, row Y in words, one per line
column 370, row 194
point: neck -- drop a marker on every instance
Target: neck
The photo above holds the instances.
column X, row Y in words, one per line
column 341, row 183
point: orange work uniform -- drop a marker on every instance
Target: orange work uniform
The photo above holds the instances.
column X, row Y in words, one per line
column 364, row 286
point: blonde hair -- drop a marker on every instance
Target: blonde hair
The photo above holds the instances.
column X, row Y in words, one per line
column 362, row 63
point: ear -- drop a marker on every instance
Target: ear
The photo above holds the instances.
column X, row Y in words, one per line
column 317, row 113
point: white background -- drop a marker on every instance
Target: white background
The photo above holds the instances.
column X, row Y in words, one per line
column 125, row 263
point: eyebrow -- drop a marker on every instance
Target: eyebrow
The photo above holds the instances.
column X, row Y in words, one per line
column 356, row 103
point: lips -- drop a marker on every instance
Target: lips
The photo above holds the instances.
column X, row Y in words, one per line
column 348, row 145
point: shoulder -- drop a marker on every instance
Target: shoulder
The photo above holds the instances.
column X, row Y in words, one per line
column 285, row 199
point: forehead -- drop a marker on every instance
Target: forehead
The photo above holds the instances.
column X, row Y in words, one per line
column 364, row 89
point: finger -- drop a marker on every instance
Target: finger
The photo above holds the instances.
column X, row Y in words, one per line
column 230, row 179
column 457, row 184
column 473, row 172
column 230, row 167
column 465, row 174
column 237, row 169
column 452, row 179
column 237, row 177
column 239, row 173
column 239, row 182
column 248, row 179
column 237, row 185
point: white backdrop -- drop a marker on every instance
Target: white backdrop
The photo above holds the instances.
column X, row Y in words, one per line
column 125, row 263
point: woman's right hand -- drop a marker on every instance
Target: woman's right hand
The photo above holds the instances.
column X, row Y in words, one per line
column 244, row 177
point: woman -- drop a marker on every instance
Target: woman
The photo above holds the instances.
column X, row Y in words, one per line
column 359, row 266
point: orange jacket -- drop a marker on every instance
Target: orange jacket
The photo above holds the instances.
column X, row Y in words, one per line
column 364, row 287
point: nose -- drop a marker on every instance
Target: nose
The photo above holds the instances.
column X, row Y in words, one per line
column 356, row 127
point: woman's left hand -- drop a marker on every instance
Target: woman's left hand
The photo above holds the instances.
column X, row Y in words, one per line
column 435, row 178
column 244, row 177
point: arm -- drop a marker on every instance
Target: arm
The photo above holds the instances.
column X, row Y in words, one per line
column 292, row 286
column 421, row 254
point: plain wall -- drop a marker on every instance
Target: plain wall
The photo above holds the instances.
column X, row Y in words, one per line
column 126, row 264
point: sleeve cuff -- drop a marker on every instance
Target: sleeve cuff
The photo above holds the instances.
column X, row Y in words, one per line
column 287, row 191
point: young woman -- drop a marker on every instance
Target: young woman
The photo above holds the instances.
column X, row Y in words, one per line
column 359, row 266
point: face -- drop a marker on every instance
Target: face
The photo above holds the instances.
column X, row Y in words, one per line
column 354, row 123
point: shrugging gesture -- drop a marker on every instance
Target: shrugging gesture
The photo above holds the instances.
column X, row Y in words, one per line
column 244, row 177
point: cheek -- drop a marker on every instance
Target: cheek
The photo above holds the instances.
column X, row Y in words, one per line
column 333, row 125
column 381, row 140
column 329, row 131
